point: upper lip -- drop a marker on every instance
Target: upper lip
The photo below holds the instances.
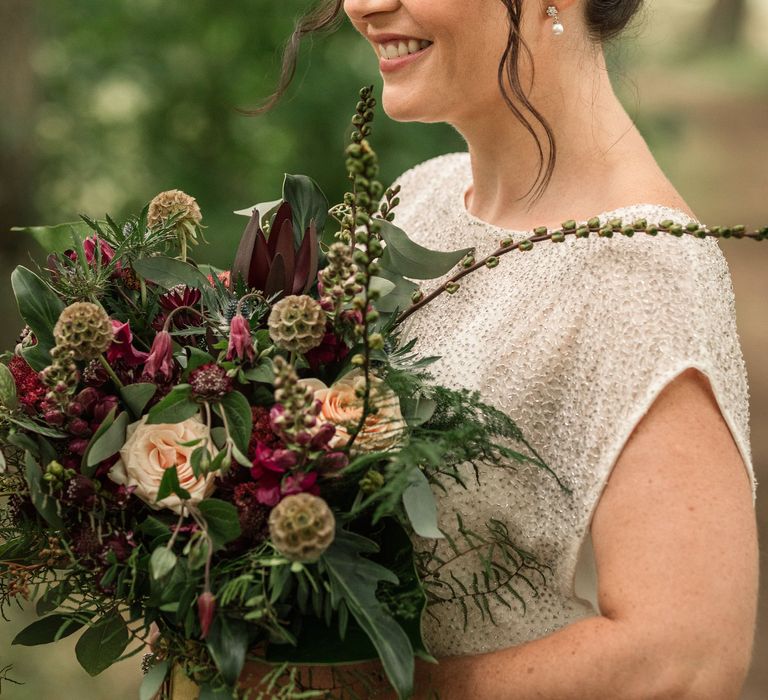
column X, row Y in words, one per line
column 387, row 38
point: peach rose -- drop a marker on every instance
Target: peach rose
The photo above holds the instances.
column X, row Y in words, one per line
column 151, row 449
column 342, row 408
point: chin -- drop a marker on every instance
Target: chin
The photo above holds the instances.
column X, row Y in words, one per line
column 403, row 105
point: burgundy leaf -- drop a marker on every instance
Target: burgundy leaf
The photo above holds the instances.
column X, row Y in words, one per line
column 283, row 214
column 276, row 280
column 242, row 262
column 260, row 263
column 287, row 250
column 311, row 236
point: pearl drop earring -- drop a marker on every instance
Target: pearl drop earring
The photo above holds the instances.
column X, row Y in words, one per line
column 557, row 27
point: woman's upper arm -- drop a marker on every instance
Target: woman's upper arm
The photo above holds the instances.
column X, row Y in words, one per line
column 675, row 543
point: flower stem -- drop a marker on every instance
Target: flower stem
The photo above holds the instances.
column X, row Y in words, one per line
column 110, row 372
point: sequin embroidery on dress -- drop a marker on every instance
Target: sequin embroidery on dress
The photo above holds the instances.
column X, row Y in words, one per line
column 574, row 340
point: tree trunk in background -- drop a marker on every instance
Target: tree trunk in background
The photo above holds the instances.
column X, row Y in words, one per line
column 17, row 151
column 725, row 23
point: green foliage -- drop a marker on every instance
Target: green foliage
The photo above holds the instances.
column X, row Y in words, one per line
column 176, row 407
column 49, row 629
column 107, row 443
column 221, row 521
column 102, row 643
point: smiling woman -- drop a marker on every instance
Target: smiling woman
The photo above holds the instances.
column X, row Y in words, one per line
column 604, row 352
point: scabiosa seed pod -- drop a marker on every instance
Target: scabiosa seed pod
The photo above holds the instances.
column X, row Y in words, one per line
column 172, row 203
column 85, row 329
column 297, row 324
column 210, row 382
column 302, row 527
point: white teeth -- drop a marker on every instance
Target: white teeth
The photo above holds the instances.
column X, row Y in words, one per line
column 403, row 48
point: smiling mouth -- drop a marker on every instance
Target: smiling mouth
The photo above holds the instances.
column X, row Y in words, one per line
column 401, row 49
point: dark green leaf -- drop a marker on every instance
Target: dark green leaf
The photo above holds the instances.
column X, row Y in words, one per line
column 178, row 406
column 419, row 502
column 44, row 503
column 170, row 484
column 354, row 580
column 265, row 373
column 161, row 562
column 108, row 443
column 137, row 396
column 197, row 358
column 101, row 645
column 409, row 259
column 48, row 629
column 237, row 411
column 209, row 693
column 222, row 519
column 227, row 642
column 40, row 308
column 153, row 680
column 105, row 425
column 8, row 396
column 56, row 239
column 53, row 597
column 307, row 202
column 168, row 272
column 400, row 296
column 33, row 427
column 155, row 530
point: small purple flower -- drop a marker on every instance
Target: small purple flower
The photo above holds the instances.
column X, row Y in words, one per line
column 159, row 365
column 240, row 340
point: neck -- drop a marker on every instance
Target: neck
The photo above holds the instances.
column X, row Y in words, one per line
column 593, row 136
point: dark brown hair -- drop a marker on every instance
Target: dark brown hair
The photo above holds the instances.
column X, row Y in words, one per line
column 605, row 19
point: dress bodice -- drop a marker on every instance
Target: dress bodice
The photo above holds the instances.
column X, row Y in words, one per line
column 574, row 341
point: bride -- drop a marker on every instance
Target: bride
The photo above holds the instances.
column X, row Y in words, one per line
column 619, row 359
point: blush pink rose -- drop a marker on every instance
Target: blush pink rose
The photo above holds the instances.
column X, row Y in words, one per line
column 151, row 449
column 342, row 408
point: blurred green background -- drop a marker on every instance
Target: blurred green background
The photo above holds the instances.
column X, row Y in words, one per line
column 104, row 104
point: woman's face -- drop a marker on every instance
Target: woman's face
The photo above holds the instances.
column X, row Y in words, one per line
column 454, row 77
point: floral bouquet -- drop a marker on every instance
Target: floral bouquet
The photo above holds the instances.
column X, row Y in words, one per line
column 237, row 459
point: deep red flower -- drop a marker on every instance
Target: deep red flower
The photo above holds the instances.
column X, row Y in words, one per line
column 89, row 246
column 122, row 346
column 29, row 389
column 302, row 482
column 240, row 340
column 332, row 349
column 159, row 366
column 262, row 430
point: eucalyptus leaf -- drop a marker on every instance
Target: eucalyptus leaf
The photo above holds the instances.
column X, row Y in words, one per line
column 53, row 598
column 44, row 503
column 176, row 407
column 382, row 285
column 106, row 424
column 137, row 396
column 168, row 272
column 409, row 259
column 37, row 428
column 48, row 629
column 399, row 297
column 354, row 580
column 108, row 443
column 102, row 644
column 8, row 396
column 420, row 506
column 153, row 680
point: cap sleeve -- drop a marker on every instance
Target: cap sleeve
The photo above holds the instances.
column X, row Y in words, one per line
column 652, row 308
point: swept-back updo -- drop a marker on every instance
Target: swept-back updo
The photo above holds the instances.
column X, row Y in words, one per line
column 605, row 19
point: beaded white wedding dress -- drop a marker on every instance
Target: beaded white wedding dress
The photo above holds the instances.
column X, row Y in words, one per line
column 574, row 341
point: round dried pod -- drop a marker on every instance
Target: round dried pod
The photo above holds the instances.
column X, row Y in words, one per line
column 85, row 329
column 302, row 527
column 297, row 323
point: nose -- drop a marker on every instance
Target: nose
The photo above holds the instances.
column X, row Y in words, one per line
column 359, row 10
